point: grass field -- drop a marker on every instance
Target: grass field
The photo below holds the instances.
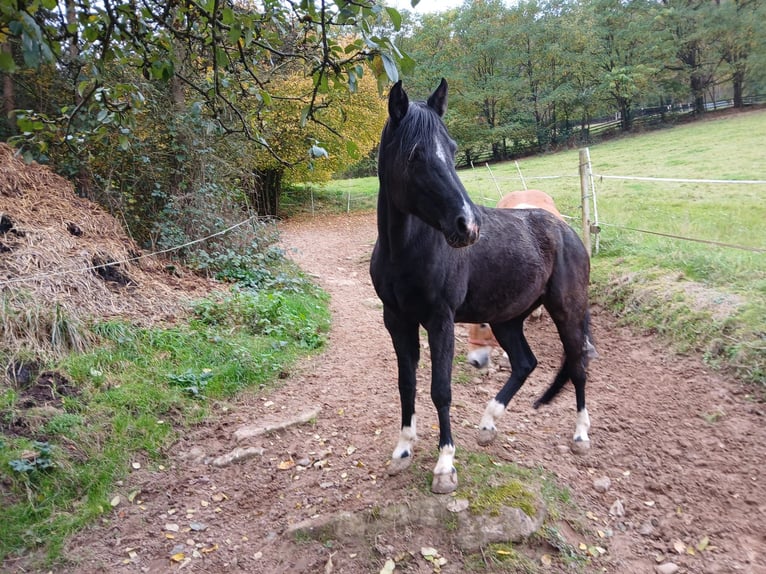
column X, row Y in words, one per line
column 701, row 296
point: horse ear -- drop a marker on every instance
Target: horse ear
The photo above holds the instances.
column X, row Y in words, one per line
column 397, row 103
column 438, row 100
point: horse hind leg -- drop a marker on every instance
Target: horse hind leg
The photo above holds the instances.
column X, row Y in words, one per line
column 523, row 362
column 577, row 350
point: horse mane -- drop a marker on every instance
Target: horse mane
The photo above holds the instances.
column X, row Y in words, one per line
column 418, row 120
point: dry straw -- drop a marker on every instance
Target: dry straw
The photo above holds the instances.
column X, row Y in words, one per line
column 50, row 241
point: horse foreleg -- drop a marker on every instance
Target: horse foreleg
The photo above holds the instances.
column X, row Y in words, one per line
column 523, row 362
column 404, row 335
column 441, row 339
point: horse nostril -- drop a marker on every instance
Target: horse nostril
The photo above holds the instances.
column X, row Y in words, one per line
column 462, row 226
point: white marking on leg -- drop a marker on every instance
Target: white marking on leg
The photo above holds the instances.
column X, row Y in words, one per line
column 583, row 424
column 446, row 461
column 407, row 438
column 494, row 411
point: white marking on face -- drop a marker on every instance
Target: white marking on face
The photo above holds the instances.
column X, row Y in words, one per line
column 440, row 153
column 493, row 412
column 446, row 461
column 583, row 424
column 407, row 438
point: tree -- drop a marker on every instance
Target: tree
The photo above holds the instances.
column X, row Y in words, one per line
column 145, row 103
column 630, row 49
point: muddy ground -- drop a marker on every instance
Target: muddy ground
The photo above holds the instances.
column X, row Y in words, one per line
column 683, row 449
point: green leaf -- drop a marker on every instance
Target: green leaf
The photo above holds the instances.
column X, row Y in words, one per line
column 396, row 18
column 390, row 67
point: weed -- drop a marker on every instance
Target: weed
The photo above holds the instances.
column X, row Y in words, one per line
column 40, row 458
column 191, row 382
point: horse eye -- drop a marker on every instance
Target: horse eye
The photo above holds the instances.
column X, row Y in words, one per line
column 415, row 155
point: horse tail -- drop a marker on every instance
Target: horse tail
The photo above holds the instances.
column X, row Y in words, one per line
column 588, row 346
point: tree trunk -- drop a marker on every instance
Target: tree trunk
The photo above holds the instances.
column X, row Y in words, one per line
column 698, row 93
column 266, row 190
column 738, row 81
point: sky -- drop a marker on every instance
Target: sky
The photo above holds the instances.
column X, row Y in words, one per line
column 425, row 5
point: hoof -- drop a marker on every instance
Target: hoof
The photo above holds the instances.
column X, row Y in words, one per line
column 486, row 436
column 444, row 483
column 580, row 446
column 398, row 465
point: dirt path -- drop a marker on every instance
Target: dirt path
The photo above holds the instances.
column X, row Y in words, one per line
column 683, row 448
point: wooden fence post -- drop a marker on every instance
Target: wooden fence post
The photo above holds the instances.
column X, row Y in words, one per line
column 584, row 198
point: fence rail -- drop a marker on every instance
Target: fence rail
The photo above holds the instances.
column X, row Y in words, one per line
column 604, row 128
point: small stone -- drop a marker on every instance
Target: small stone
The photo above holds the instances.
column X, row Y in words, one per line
column 617, row 509
column 602, row 484
column 667, row 568
column 458, row 505
column 563, row 449
column 646, row 528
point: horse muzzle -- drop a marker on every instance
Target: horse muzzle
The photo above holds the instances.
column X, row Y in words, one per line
column 465, row 232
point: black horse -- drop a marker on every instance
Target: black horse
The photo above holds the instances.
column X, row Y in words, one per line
column 439, row 258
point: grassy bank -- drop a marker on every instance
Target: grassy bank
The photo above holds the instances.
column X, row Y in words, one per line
column 124, row 403
column 700, row 296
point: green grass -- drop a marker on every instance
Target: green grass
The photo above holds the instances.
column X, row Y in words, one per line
column 135, row 392
column 701, row 297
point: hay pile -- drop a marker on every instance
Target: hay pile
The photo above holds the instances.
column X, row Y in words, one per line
column 56, row 254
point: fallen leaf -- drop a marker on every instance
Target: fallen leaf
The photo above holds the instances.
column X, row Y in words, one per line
column 649, row 502
column 212, row 548
column 679, row 546
column 503, row 552
column 219, row 497
column 286, row 464
column 169, row 536
column 178, row 557
column 132, row 494
column 583, row 546
column 388, row 567
column 546, row 560
column 115, row 501
column 427, row 551
column 351, row 450
column 703, row 543
column 592, row 516
column 690, row 550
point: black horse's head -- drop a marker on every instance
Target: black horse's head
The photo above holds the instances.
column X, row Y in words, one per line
column 416, row 166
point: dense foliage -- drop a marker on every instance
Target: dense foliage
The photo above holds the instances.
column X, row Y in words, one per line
column 530, row 75
column 177, row 116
